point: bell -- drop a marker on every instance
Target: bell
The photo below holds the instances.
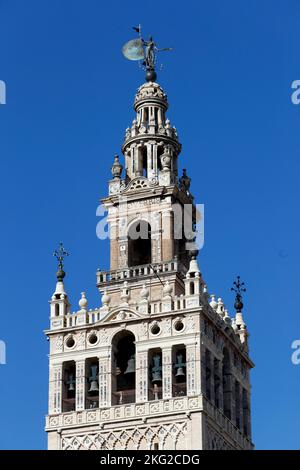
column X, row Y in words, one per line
column 180, row 372
column 130, row 366
column 71, row 383
column 93, row 380
column 179, row 366
column 156, row 369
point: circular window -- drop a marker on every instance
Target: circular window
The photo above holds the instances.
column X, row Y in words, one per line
column 70, row 343
column 155, row 329
column 179, row 325
column 93, row 338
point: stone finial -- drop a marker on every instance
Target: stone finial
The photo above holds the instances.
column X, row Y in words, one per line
column 145, row 292
column 234, row 325
column 105, row 298
column 125, row 293
column 83, row 302
column 213, row 302
column 117, row 168
column 220, row 307
column 227, row 318
column 167, row 290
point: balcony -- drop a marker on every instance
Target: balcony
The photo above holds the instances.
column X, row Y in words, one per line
column 143, row 271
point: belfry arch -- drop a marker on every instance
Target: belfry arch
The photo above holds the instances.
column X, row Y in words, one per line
column 123, row 368
column 139, row 243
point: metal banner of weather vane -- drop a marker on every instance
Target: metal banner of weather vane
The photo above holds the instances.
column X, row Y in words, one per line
column 145, row 51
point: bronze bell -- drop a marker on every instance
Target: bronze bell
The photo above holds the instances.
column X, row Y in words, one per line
column 156, row 369
column 71, row 383
column 130, row 366
column 93, row 380
column 179, row 366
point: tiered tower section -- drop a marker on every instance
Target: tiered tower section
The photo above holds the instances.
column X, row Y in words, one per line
column 160, row 365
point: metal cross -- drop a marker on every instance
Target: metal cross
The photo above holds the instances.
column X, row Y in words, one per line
column 60, row 254
column 238, row 286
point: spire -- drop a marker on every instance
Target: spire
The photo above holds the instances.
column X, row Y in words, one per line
column 60, row 254
column 238, row 288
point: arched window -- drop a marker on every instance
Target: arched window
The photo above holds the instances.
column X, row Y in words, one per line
column 227, row 391
column 69, row 386
column 179, row 370
column 139, row 243
column 217, row 382
column 123, row 368
column 92, row 383
column 208, row 373
column 192, row 288
column 56, row 310
column 246, row 412
column 237, row 404
column 155, row 374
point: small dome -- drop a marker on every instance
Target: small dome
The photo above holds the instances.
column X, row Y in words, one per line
column 150, row 91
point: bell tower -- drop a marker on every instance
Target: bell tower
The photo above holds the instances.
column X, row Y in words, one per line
column 160, row 364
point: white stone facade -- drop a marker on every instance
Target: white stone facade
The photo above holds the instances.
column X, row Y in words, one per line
column 160, row 310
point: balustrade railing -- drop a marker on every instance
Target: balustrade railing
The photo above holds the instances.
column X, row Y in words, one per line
column 139, row 271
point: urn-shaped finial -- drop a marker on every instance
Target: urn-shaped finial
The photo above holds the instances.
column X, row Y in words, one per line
column 117, row 168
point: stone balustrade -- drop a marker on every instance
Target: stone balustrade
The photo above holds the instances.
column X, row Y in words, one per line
column 139, row 271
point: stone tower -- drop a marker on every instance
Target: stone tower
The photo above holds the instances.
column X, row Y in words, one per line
column 161, row 364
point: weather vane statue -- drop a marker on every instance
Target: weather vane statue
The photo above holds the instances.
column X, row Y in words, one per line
column 145, row 51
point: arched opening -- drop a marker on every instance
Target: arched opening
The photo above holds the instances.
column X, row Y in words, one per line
column 208, row 373
column 155, row 374
column 217, row 382
column 123, row 368
column 246, row 412
column 179, row 370
column 227, row 392
column 92, row 383
column 69, row 386
column 139, row 243
column 144, row 161
column 56, row 310
column 192, row 288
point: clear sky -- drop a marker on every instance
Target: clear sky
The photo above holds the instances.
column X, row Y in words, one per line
column 69, row 100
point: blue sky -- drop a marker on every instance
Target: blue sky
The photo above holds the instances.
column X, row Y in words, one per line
column 69, row 100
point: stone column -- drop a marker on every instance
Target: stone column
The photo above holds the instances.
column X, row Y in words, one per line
column 238, row 405
column 55, row 388
column 104, row 380
column 192, row 371
column 246, row 412
column 80, row 385
column 114, row 246
column 167, row 372
column 167, row 235
column 141, row 376
column 219, row 374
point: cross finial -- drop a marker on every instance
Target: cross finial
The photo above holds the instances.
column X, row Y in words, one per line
column 238, row 288
column 60, row 254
